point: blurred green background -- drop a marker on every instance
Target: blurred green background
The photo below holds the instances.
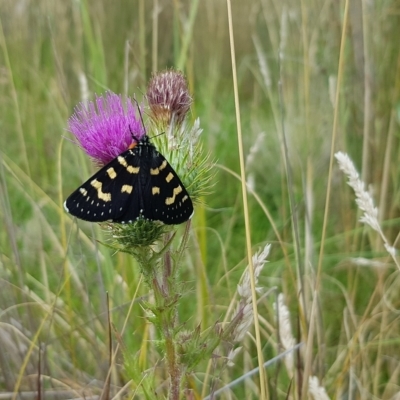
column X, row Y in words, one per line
column 55, row 274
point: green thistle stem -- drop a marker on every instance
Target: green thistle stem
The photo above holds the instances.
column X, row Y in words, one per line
column 174, row 367
column 167, row 316
column 166, row 295
column 167, row 262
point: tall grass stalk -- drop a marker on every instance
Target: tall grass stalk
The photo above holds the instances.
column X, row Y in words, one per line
column 368, row 68
column 263, row 387
column 14, row 96
column 341, row 63
column 154, row 42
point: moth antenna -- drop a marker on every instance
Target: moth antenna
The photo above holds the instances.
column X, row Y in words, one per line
column 132, row 134
column 141, row 119
column 162, row 133
column 140, row 114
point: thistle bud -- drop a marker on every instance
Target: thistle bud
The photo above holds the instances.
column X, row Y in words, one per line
column 168, row 97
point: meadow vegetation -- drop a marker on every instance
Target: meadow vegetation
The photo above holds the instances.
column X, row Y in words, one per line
column 314, row 78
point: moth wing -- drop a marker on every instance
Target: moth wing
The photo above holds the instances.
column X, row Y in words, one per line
column 168, row 200
column 111, row 194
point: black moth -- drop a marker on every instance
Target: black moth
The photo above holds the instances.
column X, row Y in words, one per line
column 139, row 183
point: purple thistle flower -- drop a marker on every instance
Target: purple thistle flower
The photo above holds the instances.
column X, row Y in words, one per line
column 104, row 127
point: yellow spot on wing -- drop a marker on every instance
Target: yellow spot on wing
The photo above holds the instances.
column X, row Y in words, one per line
column 127, row 189
column 111, row 172
column 122, row 161
column 100, row 194
column 171, row 200
column 83, row 191
column 155, row 190
column 169, row 177
column 133, row 170
column 156, row 171
column 129, row 168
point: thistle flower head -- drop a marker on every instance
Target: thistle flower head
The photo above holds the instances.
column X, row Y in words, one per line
column 104, row 127
column 168, row 97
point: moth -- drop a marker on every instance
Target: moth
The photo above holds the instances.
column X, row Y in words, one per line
column 139, row 183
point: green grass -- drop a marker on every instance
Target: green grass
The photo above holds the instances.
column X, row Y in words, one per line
column 54, row 272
